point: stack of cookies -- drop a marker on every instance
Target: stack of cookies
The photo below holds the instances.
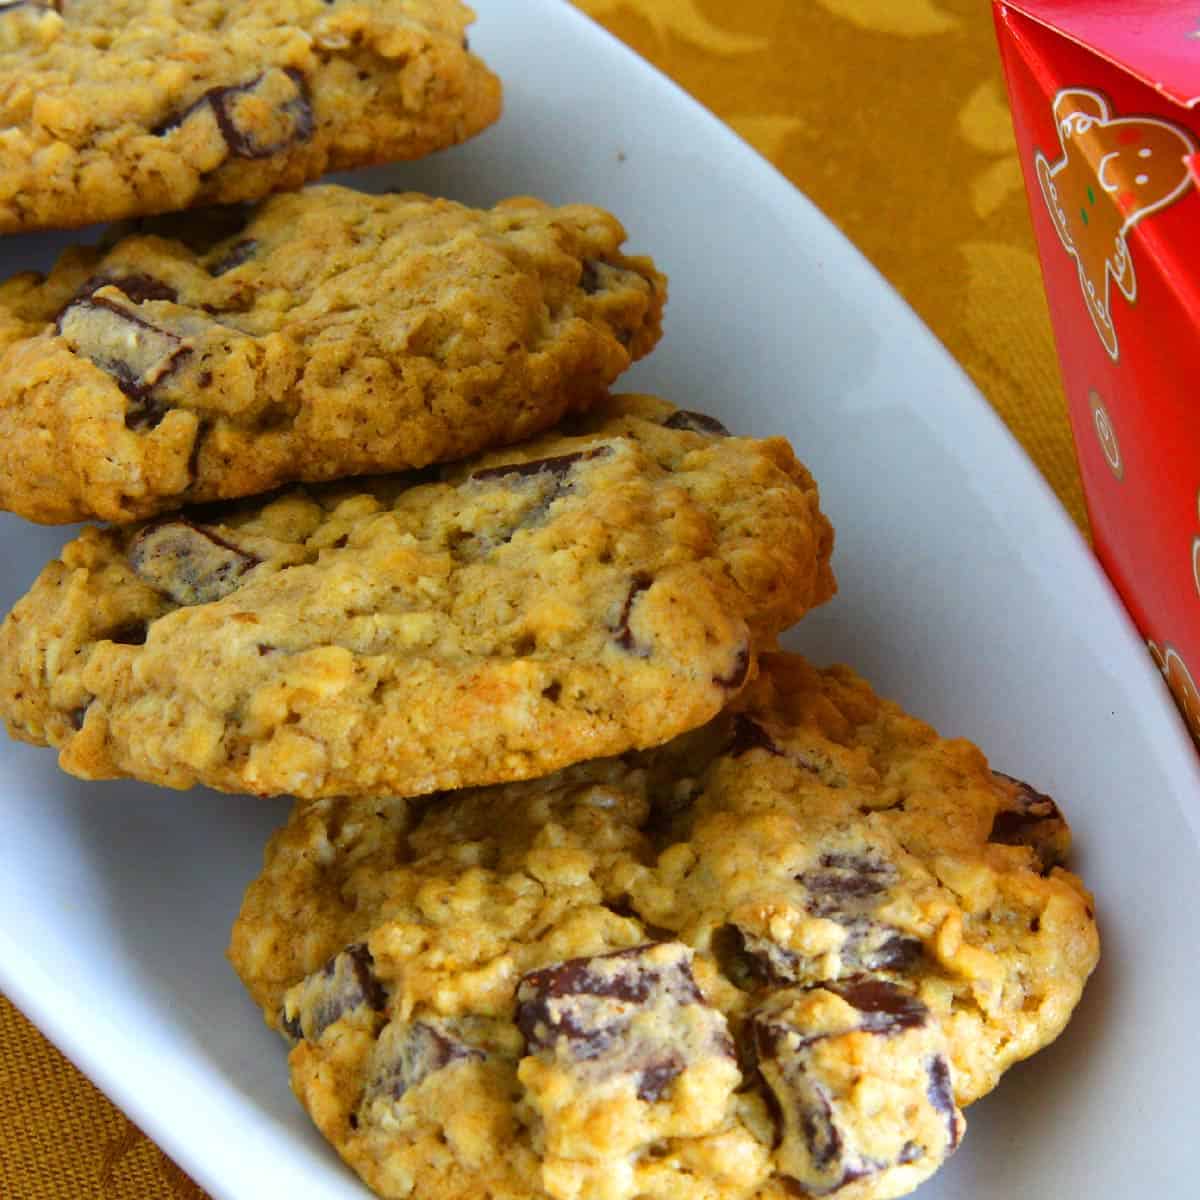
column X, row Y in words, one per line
column 589, row 890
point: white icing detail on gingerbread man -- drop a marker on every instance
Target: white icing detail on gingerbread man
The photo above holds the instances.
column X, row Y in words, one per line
column 1179, row 680
column 1106, row 434
column 1113, row 172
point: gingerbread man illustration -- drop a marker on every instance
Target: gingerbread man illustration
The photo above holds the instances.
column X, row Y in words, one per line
column 1113, row 172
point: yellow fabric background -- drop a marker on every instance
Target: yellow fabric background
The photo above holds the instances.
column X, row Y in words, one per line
column 891, row 115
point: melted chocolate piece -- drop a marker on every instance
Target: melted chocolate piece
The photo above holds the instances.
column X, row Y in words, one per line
column 1035, row 822
column 552, row 475
column 407, row 1055
column 583, row 1010
column 622, row 634
column 344, row 984
column 295, row 112
column 696, row 422
column 238, row 253
column 188, row 563
column 137, row 286
column 749, row 735
column 848, row 888
column 622, row 975
column 745, row 961
column 843, row 887
column 132, row 633
column 809, row 1095
column 558, row 466
column 886, row 1008
column 737, row 673
column 842, row 876
column 941, row 1095
column 589, row 277
column 135, row 353
column 655, row 1079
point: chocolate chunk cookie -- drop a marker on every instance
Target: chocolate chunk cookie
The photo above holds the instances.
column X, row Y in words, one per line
column 717, row 968
column 326, row 333
column 583, row 594
column 115, row 108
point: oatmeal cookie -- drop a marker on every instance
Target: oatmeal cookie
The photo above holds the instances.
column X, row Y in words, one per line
column 774, row 957
column 116, row 108
column 583, row 594
column 322, row 334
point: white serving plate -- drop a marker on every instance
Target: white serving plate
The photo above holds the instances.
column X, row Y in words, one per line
column 965, row 593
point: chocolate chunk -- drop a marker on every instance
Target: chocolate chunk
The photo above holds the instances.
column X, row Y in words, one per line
column 800, row 1055
column 132, row 633
column 747, row 960
column 695, row 422
column 622, row 634
column 238, row 253
column 885, row 1008
column 842, row 876
column 285, row 91
column 630, row 976
column 582, row 1012
column 749, row 735
column 657, row 1078
column 552, row 476
column 558, row 466
column 188, row 563
column 344, row 984
column 1033, row 820
column 879, row 949
column 848, row 888
column 135, row 353
column 941, row 1095
column 736, row 675
column 137, row 286
column 769, row 962
column 407, row 1054
column 589, row 277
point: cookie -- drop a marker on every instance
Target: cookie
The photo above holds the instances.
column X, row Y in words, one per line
column 325, row 333
column 116, row 108
column 773, row 957
column 585, row 593
column 1113, row 172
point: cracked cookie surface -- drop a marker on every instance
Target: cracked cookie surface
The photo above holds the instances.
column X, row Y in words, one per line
column 118, row 108
column 322, row 334
column 582, row 594
column 775, row 956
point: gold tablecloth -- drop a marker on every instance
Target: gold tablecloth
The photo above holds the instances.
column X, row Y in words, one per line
column 891, row 115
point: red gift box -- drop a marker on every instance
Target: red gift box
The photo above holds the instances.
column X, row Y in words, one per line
column 1104, row 98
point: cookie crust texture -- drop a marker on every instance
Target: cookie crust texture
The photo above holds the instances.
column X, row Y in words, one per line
column 118, row 108
column 582, row 594
column 773, row 957
column 326, row 333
